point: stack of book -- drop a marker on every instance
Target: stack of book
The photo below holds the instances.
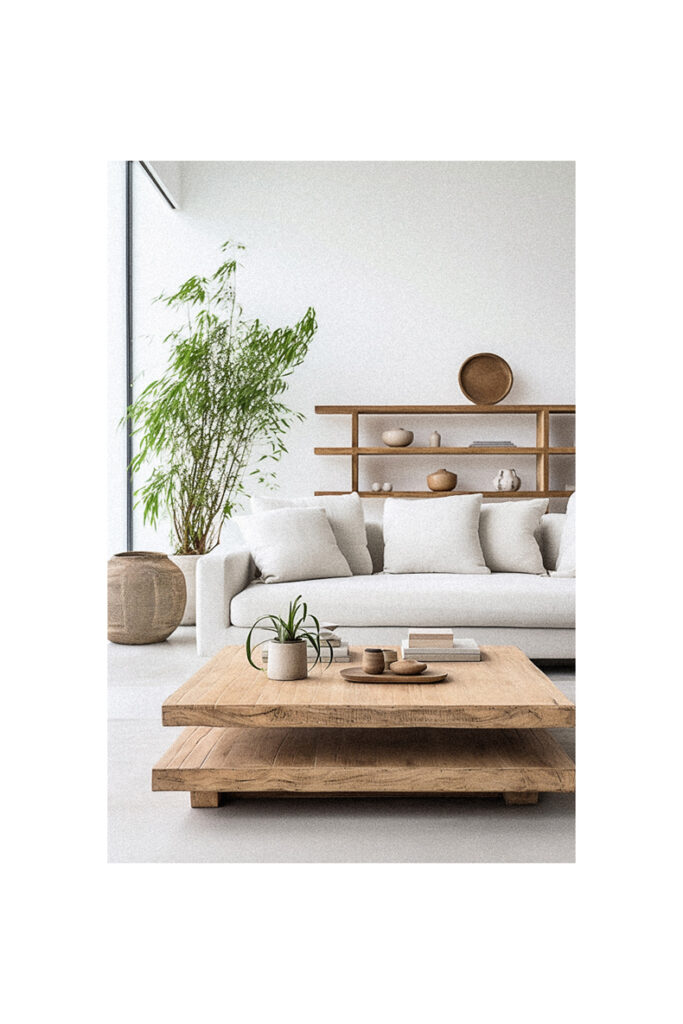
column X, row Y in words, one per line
column 439, row 645
column 340, row 648
column 493, row 444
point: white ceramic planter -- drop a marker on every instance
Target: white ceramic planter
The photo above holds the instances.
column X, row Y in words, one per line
column 288, row 660
column 188, row 566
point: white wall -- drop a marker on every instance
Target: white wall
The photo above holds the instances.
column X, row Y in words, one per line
column 411, row 267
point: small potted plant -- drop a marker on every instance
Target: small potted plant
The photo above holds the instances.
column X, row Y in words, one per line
column 287, row 651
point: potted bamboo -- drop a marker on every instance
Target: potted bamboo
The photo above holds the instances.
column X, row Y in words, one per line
column 219, row 399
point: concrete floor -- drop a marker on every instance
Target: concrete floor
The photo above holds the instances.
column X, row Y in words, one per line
column 146, row 827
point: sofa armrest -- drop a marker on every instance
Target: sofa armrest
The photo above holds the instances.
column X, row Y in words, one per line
column 220, row 576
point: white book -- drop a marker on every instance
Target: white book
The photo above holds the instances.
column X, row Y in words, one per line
column 421, row 655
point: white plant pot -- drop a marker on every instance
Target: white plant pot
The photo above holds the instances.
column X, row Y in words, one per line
column 188, row 566
column 288, row 660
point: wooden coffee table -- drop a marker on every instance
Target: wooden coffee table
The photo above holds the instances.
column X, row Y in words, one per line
column 482, row 731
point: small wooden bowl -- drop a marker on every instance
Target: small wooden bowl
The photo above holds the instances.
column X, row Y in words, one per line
column 407, row 667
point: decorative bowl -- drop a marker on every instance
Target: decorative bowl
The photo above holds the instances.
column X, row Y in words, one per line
column 442, row 480
column 398, row 437
column 407, row 667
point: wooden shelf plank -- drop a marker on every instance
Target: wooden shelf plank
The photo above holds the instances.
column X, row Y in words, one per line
column 435, row 410
column 450, row 494
column 384, row 450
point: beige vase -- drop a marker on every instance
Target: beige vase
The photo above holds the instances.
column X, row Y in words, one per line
column 188, row 566
column 442, row 480
column 288, row 660
column 146, row 597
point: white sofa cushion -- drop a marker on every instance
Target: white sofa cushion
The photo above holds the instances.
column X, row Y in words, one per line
column 566, row 556
column 293, row 544
column 420, row 599
column 433, row 536
column 507, row 533
column 345, row 515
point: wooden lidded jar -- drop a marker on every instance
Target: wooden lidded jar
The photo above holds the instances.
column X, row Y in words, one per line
column 373, row 661
column 146, row 597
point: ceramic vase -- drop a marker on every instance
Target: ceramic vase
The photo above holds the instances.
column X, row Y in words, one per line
column 435, row 440
column 146, row 597
column 188, row 566
column 442, row 480
column 506, row 480
column 287, row 660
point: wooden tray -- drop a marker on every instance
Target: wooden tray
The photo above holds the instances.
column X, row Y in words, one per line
column 485, row 378
column 357, row 675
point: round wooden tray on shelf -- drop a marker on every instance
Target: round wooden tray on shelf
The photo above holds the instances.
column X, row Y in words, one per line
column 357, row 675
column 485, row 378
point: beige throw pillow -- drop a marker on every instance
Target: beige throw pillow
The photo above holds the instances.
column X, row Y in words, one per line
column 507, row 532
column 293, row 544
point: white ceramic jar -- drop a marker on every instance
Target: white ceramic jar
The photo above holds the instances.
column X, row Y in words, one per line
column 506, row 480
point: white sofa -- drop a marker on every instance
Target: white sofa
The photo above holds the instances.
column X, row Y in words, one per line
column 534, row 613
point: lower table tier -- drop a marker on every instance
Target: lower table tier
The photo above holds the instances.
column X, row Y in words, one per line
column 518, row 763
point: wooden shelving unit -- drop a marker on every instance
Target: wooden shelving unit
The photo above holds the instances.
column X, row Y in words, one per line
column 542, row 449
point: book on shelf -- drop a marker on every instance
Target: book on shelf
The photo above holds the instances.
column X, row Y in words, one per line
column 492, row 444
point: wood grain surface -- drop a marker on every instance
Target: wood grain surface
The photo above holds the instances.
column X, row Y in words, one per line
column 504, row 691
column 211, row 760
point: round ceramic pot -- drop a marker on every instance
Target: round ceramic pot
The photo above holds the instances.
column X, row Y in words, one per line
column 146, row 597
column 506, row 480
column 287, row 660
column 188, row 566
column 442, row 480
column 398, row 437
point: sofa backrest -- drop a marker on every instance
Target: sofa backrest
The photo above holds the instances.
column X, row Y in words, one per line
column 548, row 536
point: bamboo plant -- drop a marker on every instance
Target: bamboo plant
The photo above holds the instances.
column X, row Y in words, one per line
column 218, row 403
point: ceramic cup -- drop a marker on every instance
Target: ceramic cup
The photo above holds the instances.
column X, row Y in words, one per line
column 389, row 656
column 373, row 661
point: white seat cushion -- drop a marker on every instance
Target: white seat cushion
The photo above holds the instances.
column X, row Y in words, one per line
column 419, row 599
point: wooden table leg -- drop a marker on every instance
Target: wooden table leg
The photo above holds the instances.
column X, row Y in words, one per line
column 202, row 799
column 521, row 798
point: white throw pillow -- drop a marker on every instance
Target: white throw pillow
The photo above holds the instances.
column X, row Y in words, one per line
column 345, row 515
column 440, row 535
column 566, row 558
column 506, row 532
column 293, row 544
